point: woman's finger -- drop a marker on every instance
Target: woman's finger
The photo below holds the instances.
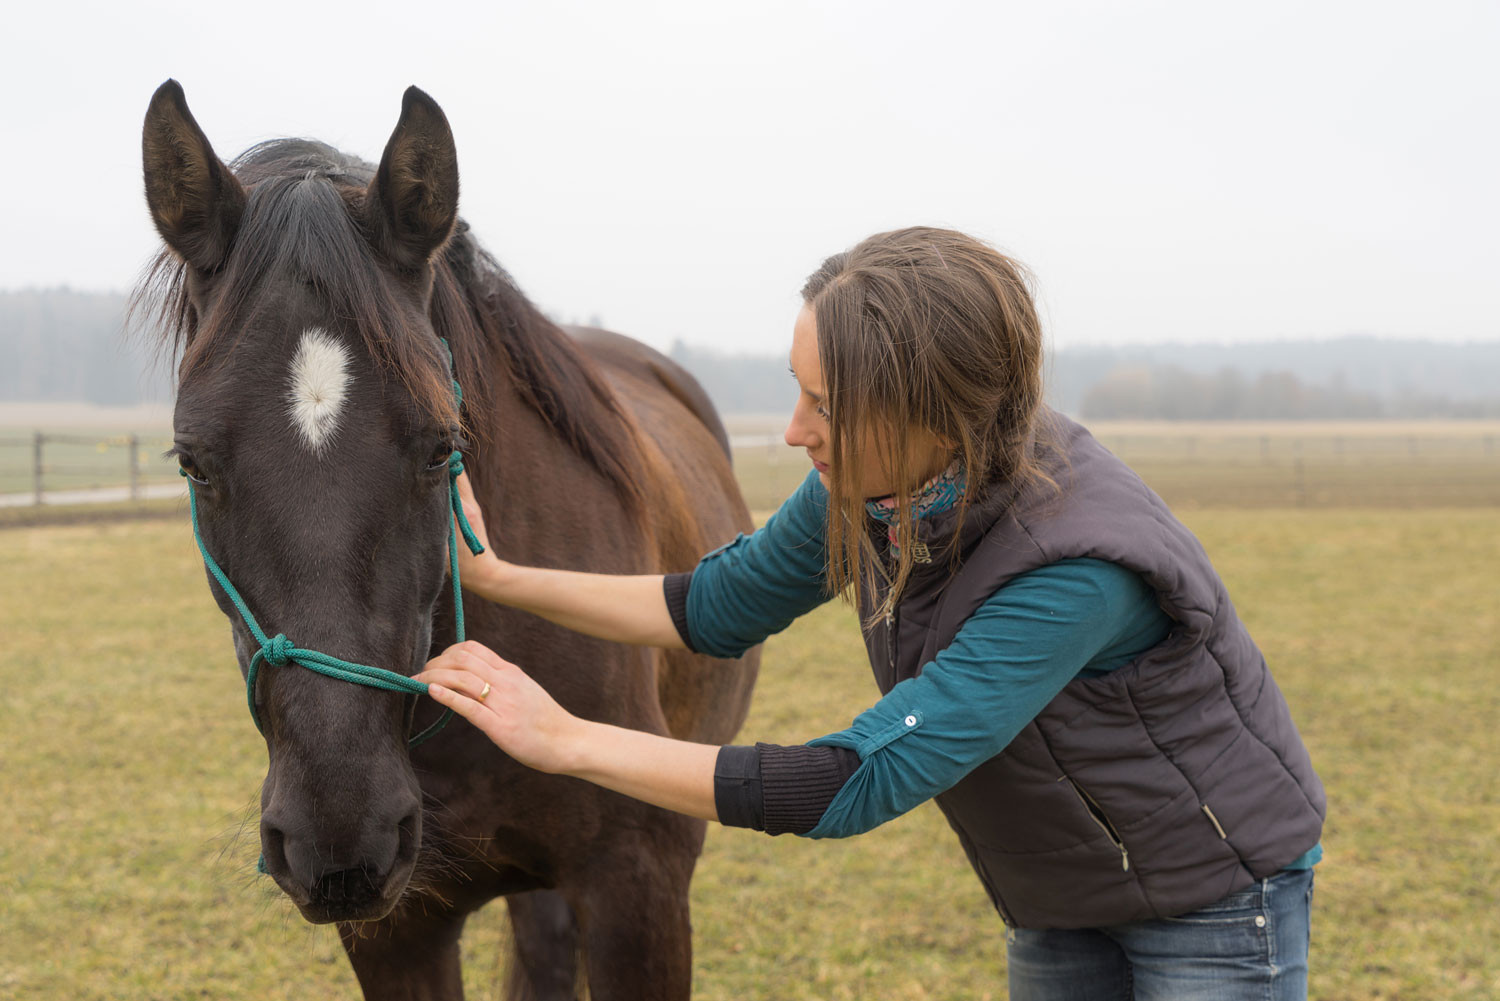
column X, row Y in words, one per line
column 474, row 711
column 477, row 650
column 471, row 508
column 463, row 682
column 457, row 664
column 470, row 656
column 465, row 488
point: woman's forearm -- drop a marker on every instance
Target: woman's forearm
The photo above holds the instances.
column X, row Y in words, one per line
column 621, row 608
column 673, row 774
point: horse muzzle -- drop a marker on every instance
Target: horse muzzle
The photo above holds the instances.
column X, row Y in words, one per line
column 331, row 876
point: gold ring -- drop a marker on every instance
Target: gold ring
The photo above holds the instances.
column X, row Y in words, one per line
column 484, row 691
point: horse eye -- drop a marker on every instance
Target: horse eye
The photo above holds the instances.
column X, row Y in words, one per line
column 440, row 457
column 190, row 469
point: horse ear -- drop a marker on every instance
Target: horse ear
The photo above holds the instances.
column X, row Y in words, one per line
column 414, row 197
column 195, row 201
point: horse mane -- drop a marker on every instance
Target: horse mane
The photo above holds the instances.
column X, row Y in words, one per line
column 303, row 200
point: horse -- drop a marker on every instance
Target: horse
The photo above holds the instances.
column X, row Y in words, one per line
column 306, row 295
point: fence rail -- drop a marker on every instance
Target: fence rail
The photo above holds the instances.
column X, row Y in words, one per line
column 1288, row 467
column 48, row 467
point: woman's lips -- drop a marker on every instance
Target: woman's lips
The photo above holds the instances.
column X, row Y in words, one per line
column 821, row 467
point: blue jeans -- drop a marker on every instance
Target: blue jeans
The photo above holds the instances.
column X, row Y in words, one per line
column 1249, row 945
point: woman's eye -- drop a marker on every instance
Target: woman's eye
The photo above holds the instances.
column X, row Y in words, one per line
column 190, row 470
column 821, row 411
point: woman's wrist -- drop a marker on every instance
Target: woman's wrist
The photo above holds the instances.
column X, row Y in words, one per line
column 491, row 578
column 586, row 752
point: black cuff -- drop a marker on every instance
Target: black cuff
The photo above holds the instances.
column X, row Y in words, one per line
column 798, row 783
column 675, row 587
column 737, row 798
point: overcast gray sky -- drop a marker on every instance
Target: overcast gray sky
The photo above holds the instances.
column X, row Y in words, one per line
column 1170, row 170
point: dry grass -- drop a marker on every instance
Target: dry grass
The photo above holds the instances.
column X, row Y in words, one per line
column 129, row 769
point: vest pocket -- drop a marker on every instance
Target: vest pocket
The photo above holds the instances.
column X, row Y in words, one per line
column 1097, row 812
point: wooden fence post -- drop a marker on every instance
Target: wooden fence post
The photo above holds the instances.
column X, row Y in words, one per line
column 133, row 443
column 36, row 466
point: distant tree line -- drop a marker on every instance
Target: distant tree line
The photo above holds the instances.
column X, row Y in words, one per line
column 1172, row 393
column 740, row 384
column 59, row 344
column 64, row 345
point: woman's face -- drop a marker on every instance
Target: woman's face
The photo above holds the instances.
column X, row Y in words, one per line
column 809, row 424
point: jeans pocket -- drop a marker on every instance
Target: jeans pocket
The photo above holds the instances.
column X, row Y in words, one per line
column 1246, row 905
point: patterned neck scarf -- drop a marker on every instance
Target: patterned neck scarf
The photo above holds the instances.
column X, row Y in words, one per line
column 938, row 494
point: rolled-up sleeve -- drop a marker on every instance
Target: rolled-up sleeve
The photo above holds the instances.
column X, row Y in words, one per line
column 1011, row 658
column 758, row 584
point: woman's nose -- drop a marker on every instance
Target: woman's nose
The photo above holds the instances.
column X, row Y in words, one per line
column 799, row 432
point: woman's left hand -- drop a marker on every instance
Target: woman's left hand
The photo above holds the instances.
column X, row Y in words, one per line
column 514, row 712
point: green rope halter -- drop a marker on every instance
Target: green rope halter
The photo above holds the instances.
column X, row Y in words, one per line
column 278, row 651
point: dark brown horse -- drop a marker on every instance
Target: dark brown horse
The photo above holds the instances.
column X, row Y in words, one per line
column 306, row 292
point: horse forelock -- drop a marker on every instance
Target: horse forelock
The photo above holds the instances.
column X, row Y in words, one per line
column 299, row 224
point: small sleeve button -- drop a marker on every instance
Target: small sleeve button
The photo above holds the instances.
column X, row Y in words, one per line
column 910, row 721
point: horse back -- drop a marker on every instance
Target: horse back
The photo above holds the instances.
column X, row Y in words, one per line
column 627, row 354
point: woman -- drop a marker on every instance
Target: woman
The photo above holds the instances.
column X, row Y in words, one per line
column 1060, row 665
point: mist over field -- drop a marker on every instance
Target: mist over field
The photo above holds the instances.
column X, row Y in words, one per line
column 63, row 345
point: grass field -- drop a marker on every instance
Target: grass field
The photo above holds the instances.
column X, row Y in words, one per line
column 131, row 774
column 1246, row 464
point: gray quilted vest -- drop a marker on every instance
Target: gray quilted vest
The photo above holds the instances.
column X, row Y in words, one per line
column 1148, row 792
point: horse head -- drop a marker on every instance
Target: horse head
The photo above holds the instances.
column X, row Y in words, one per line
column 315, row 419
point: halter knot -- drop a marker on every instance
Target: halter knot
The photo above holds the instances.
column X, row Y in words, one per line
column 455, row 463
column 278, row 650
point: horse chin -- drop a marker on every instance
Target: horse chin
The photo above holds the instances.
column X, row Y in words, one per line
column 323, row 912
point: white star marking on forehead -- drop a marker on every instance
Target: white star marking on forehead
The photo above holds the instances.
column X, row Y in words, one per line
column 320, row 381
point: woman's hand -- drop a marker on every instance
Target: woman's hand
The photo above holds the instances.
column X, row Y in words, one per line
column 486, row 574
column 469, row 564
column 524, row 722
column 514, row 712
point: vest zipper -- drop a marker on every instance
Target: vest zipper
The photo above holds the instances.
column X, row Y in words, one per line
column 1097, row 812
column 1217, row 826
column 890, row 643
column 890, row 625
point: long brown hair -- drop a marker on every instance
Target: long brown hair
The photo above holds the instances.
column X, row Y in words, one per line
column 922, row 328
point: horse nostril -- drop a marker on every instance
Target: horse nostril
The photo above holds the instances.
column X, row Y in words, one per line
column 346, row 887
column 408, row 834
column 272, row 848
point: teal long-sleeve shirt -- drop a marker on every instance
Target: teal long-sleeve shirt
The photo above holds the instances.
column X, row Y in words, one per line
column 1074, row 618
